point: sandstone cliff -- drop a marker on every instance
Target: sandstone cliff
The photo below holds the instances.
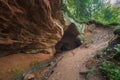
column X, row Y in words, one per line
column 29, row 25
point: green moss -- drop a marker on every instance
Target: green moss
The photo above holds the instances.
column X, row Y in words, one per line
column 34, row 63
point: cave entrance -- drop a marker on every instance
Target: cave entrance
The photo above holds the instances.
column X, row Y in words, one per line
column 69, row 40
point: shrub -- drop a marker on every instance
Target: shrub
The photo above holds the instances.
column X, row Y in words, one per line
column 111, row 70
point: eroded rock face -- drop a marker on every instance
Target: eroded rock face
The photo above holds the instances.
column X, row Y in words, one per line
column 69, row 40
column 28, row 24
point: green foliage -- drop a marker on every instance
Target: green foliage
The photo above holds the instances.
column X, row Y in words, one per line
column 70, row 20
column 81, row 37
column 111, row 66
column 117, row 52
column 117, row 27
column 117, row 48
column 92, row 10
column 117, row 30
column 108, row 15
column 111, row 70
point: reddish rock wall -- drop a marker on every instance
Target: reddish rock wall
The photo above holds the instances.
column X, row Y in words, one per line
column 28, row 24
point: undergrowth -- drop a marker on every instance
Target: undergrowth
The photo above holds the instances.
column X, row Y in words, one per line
column 111, row 70
column 110, row 66
column 84, row 11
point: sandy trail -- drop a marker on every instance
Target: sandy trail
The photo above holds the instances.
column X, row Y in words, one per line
column 74, row 61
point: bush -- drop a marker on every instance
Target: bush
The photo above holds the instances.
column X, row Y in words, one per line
column 92, row 10
column 111, row 70
column 117, row 30
column 117, row 52
column 111, row 66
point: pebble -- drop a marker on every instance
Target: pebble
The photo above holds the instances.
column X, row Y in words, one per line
column 29, row 77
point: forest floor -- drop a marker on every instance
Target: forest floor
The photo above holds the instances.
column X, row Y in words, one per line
column 74, row 61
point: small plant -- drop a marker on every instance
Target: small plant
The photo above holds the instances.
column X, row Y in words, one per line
column 88, row 40
column 117, row 52
column 117, row 30
column 84, row 39
column 117, row 48
column 34, row 63
column 15, row 73
column 81, row 37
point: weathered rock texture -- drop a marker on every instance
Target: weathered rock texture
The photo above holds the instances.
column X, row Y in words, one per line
column 28, row 24
column 69, row 40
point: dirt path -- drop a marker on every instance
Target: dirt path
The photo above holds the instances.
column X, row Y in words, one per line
column 73, row 61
